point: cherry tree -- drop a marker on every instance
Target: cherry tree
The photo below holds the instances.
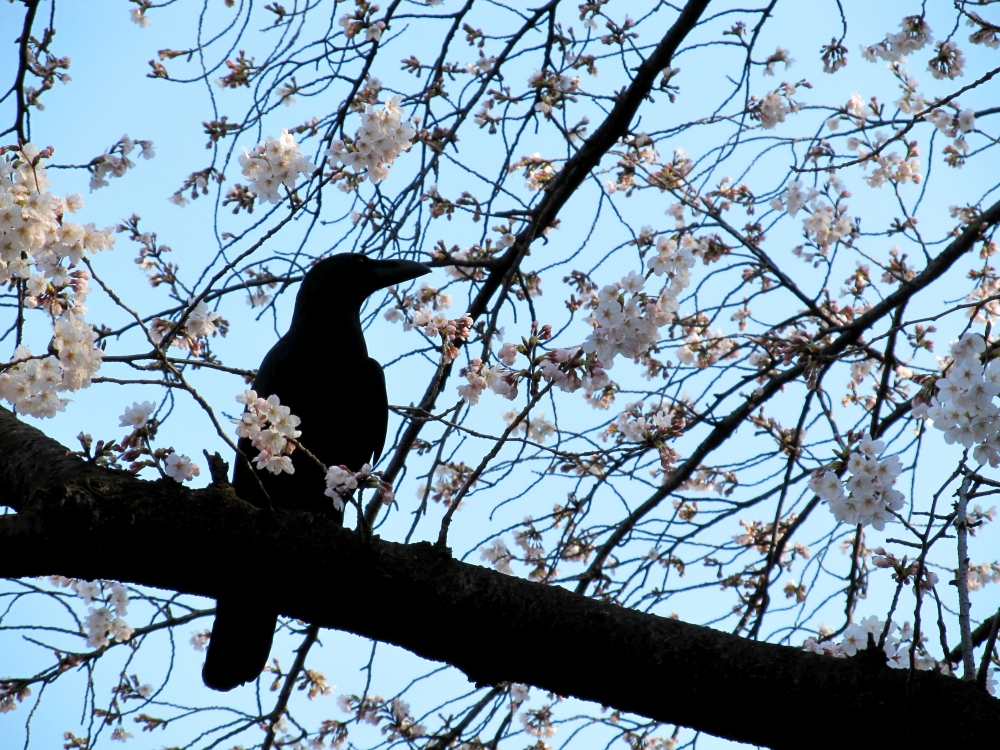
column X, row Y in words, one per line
column 698, row 406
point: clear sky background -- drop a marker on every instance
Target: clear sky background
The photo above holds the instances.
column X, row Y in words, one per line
column 110, row 95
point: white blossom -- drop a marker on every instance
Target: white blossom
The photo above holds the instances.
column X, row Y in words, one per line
column 382, row 137
column 273, row 163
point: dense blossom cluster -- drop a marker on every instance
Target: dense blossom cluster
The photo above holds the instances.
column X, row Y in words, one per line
column 270, row 428
column 964, row 408
column 870, row 499
column 654, row 425
column 553, row 89
column 627, row 321
column 382, row 137
column 273, row 163
column 706, row 348
column 538, row 170
column 394, row 715
column 40, row 247
column 948, row 61
column 636, row 425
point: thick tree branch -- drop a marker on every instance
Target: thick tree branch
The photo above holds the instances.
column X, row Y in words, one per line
column 78, row 520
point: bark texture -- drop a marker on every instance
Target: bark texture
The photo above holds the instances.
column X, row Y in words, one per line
column 77, row 520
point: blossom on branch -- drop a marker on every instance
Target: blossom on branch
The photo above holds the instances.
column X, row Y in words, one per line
column 382, row 137
column 273, row 163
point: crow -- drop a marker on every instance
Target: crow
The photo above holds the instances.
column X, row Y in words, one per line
column 320, row 369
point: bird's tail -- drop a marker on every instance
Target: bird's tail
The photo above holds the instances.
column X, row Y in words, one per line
column 240, row 643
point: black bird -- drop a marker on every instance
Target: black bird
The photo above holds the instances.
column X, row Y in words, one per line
column 322, row 371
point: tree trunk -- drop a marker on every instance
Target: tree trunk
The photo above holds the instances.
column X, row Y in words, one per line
column 78, row 520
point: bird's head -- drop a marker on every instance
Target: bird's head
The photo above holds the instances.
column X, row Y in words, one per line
column 348, row 279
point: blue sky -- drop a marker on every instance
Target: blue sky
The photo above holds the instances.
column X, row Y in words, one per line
column 110, row 95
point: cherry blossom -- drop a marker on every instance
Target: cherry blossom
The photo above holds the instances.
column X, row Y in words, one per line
column 870, row 499
column 382, row 137
column 138, row 414
column 964, row 406
column 35, row 239
column 180, row 468
column 341, row 483
column 273, row 163
column 270, row 428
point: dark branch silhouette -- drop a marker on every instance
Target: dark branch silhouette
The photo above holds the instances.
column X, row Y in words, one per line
column 96, row 523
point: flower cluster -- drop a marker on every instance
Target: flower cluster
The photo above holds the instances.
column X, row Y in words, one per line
column 451, row 477
column 774, row 107
column 706, row 348
column 116, row 163
column 653, row 426
column 826, row 223
column 382, row 137
column 552, row 90
column 32, row 384
column 915, row 34
column 857, row 637
column 193, row 335
column 537, row 428
column 894, row 167
column 905, row 570
column 35, row 239
column 628, row 321
column 948, row 62
column 871, row 498
column 569, row 371
column 422, row 310
column 180, row 468
column 498, row 556
column 11, row 690
column 102, row 624
column 963, row 121
column 341, row 482
column 275, row 162
column 438, row 324
column 499, row 379
column 980, row 575
column 481, row 253
column 139, row 17
column 394, row 714
column 963, row 407
column 361, row 20
column 133, row 446
column 270, row 428
column 537, row 170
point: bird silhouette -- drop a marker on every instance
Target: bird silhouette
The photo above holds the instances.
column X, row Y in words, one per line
column 320, row 369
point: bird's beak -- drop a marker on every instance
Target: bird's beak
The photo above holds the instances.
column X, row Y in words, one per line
column 389, row 272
